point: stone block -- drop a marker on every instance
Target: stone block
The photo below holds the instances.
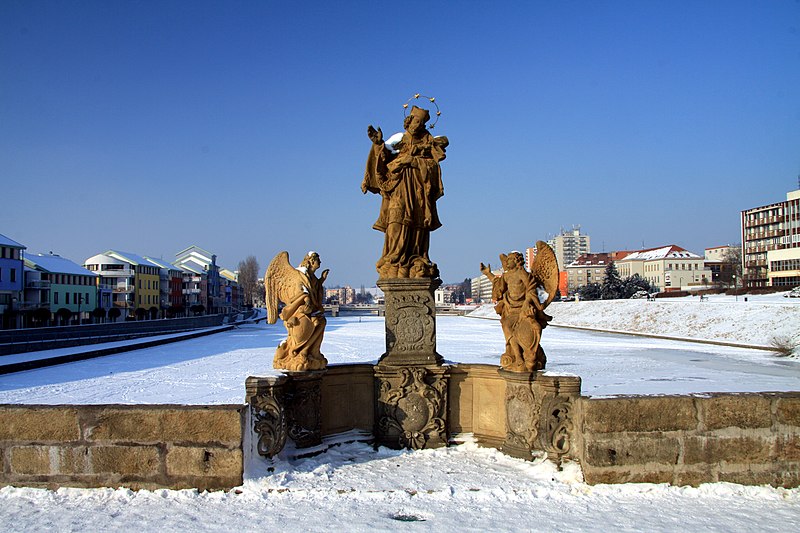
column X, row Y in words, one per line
column 31, row 460
column 157, row 424
column 694, row 477
column 347, row 399
column 639, row 414
column 488, row 407
column 39, row 424
column 633, row 451
column 787, row 448
column 215, row 462
column 714, row 450
column 594, row 476
column 742, row 411
column 788, row 411
column 761, row 477
column 126, row 460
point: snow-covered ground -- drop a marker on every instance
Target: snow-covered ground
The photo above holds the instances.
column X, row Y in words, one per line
column 356, row 489
column 758, row 321
column 464, row 488
column 212, row 369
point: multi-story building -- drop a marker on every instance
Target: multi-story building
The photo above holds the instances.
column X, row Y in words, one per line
column 135, row 280
column 11, row 281
column 771, row 243
column 585, row 270
column 219, row 296
column 72, row 289
column 482, row 287
column 718, row 261
column 568, row 246
column 170, row 286
column 669, row 268
column 443, row 296
column 342, row 295
column 35, row 305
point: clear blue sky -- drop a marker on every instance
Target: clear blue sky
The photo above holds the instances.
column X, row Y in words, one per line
column 241, row 126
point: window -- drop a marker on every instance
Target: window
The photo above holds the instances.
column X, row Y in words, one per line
column 1, row 274
column 87, row 298
column 55, row 298
column 66, row 298
column 13, row 275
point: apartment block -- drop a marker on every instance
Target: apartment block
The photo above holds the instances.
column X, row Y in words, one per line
column 771, row 243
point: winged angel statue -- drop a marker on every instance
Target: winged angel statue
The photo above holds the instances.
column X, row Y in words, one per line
column 521, row 298
column 303, row 314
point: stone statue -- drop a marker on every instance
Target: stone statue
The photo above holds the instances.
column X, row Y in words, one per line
column 303, row 315
column 521, row 298
column 405, row 171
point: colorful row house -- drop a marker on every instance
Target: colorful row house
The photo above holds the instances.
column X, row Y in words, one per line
column 11, row 281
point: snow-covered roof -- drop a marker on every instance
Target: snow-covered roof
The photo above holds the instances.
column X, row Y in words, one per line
column 161, row 263
column 56, row 264
column 666, row 252
column 130, row 257
column 5, row 241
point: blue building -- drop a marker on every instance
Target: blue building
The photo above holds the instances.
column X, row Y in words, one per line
column 12, row 279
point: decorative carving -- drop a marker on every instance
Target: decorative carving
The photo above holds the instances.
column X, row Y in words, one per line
column 412, row 407
column 304, row 316
column 405, row 171
column 521, row 298
column 522, row 416
column 556, row 427
column 269, row 423
column 410, row 322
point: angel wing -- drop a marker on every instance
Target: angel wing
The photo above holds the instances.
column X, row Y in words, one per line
column 282, row 282
column 545, row 270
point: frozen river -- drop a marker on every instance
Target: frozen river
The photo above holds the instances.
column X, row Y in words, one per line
column 212, row 369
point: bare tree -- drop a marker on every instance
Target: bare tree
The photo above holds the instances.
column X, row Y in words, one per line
column 248, row 280
column 731, row 269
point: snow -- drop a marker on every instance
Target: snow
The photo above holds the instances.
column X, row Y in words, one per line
column 756, row 322
column 355, row 488
column 352, row 487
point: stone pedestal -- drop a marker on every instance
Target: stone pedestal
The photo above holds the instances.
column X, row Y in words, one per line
column 412, row 406
column 410, row 322
column 283, row 406
column 539, row 413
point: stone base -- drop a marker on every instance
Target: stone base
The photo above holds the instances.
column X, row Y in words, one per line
column 410, row 322
column 289, row 405
column 539, row 413
column 411, row 411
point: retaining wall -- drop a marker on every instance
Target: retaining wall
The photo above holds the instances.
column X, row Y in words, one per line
column 152, row 446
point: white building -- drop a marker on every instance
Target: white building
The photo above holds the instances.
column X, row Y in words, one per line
column 669, row 268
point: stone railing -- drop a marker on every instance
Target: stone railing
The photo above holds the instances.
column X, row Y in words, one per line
column 752, row 439
column 684, row 440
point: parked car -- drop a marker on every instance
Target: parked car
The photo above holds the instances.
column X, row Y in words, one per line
column 638, row 295
column 794, row 293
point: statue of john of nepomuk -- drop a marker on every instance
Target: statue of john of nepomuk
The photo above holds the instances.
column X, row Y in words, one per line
column 405, row 171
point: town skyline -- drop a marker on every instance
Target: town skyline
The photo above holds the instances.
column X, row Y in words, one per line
column 242, row 128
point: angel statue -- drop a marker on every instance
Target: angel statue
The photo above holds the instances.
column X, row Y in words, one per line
column 405, row 171
column 303, row 315
column 521, row 298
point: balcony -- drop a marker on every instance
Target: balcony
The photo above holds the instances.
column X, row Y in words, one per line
column 123, row 288
column 191, row 291
column 37, row 284
column 30, row 305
